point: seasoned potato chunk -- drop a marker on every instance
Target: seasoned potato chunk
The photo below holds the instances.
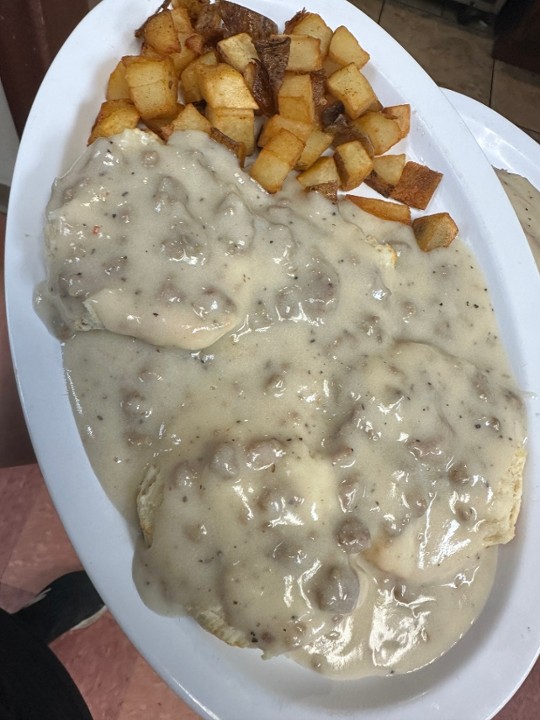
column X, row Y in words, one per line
column 434, row 231
column 114, row 117
column 382, row 131
column 353, row 164
column 190, row 119
column 160, row 33
column 224, row 87
column 238, row 51
column 117, row 87
column 304, row 53
column 386, row 173
column 238, row 124
column 401, row 114
column 189, row 80
column 276, row 160
column 345, row 49
column 353, row 89
column 322, row 171
column 278, row 122
column 306, row 23
column 382, row 208
column 416, row 185
column 296, row 99
column 153, row 85
column 316, row 143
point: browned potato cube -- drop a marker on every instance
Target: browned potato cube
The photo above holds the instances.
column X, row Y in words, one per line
column 238, row 124
column 223, row 86
column 434, row 231
column 189, row 81
column 306, row 23
column 345, row 49
column 296, row 99
column 276, row 160
column 114, row 117
column 117, row 87
column 191, row 119
column 353, row 164
column 322, row 171
column 382, row 209
column 285, row 145
column 304, row 53
column 401, row 114
column 317, row 142
column 278, row 122
column 381, row 130
column 160, row 33
column 386, row 172
column 238, row 51
column 269, row 171
column 153, row 86
column 416, row 185
column 352, row 88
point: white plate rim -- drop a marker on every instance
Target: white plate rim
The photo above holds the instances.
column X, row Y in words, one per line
column 504, row 144
column 432, row 692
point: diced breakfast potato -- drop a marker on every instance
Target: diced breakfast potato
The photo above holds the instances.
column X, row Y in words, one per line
column 153, row 85
column 345, row 49
column 353, row 164
column 114, row 117
column 286, row 146
column 386, row 173
column 296, row 99
column 322, row 171
column 353, row 89
column 191, row 119
column 401, row 114
column 189, row 80
column 434, row 231
column 318, row 113
column 117, row 87
column 160, row 33
column 316, row 144
column 278, row 122
column 382, row 131
column 304, row 53
column 224, row 87
column 238, row 124
column 306, row 23
column 238, row 51
column 383, row 209
column 276, row 160
column 416, row 185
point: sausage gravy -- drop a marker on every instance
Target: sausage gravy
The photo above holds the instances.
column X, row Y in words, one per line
column 313, row 421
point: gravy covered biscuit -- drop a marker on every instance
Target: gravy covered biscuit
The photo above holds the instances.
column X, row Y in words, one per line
column 323, row 459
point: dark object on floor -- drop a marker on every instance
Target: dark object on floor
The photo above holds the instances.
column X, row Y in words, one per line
column 69, row 602
column 517, row 35
column 34, row 685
